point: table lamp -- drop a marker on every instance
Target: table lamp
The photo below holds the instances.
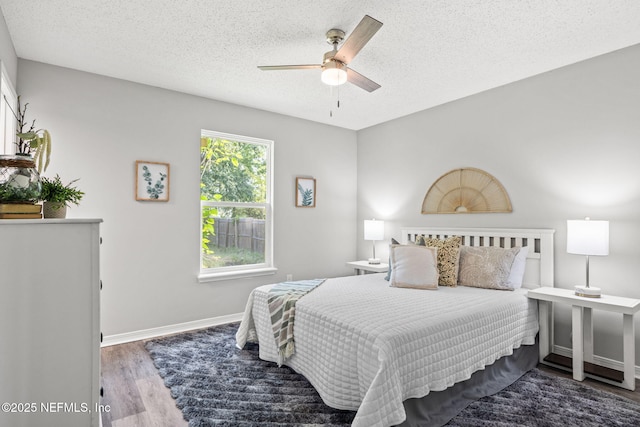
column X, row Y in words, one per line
column 373, row 230
column 587, row 237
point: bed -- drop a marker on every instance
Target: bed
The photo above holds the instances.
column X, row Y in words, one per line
column 412, row 356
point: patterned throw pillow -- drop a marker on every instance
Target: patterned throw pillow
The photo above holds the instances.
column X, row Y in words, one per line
column 448, row 257
column 486, row 267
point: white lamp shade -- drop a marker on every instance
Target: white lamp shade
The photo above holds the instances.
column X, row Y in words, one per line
column 587, row 237
column 334, row 73
column 373, row 230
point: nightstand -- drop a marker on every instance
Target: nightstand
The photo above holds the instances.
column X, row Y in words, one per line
column 361, row 267
column 582, row 330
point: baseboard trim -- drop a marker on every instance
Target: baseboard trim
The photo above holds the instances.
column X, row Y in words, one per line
column 146, row 334
column 602, row 361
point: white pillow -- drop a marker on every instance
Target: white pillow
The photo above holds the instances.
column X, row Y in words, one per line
column 414, row 266
column 517, row 268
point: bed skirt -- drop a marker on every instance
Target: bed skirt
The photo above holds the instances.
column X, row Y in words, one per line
column 439, row 407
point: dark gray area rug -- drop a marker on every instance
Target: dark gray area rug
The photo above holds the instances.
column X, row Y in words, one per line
column 216, row 384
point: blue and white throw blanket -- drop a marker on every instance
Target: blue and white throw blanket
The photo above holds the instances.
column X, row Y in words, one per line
column 282, row 309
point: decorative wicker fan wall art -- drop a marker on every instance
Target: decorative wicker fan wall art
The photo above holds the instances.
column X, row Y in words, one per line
column 466, row 190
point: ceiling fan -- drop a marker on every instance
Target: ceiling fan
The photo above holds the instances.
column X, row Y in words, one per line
column 334, row 65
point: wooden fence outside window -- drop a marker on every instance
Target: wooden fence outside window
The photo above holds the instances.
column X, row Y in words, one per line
column 243, row 233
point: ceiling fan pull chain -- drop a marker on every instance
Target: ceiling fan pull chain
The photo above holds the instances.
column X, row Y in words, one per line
column 331, row 95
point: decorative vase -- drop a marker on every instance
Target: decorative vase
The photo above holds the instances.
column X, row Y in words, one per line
column 54, row 210
column 19, row 179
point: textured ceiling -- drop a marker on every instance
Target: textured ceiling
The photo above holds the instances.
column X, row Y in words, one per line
column 427, row 53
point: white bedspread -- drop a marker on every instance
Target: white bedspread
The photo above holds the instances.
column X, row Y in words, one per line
column 366, row 346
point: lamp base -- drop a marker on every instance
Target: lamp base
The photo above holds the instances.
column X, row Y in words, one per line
column 374, row 260
column 590, row 292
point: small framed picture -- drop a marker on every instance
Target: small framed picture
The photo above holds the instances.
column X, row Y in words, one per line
column 152, row 181
column 305, row 192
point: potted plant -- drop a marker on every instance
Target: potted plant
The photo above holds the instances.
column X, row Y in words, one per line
column 20, row 173
column 57, row 196
column 32, row 141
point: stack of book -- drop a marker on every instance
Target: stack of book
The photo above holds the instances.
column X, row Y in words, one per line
column 20, row 211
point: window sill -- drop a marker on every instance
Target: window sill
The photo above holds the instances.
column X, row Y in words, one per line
column 237, row 274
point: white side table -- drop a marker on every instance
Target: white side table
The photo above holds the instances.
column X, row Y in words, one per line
column 361, row 267
column 582, row 330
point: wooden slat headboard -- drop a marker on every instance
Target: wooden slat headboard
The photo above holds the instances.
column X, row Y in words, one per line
column 539, row 269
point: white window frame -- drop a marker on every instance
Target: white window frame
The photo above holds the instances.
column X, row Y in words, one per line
column 252, row 270
column 7, row 120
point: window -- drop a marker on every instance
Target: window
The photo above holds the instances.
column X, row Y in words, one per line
column 236, row 206
column 8, row 101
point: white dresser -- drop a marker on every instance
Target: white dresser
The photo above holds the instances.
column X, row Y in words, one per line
column 50, row 322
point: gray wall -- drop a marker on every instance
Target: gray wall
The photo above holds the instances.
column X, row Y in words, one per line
column 565, row 144
column 7, row 52
column 150, row 256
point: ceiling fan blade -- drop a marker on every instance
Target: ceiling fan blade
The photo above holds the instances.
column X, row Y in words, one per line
column 288, row 67
column 358, row 38
column 361, row 81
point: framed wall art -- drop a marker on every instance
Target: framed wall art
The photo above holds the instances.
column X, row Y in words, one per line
column 305, row 192
column 152, row 181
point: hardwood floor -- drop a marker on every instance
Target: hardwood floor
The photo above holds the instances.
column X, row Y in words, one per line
column 134, row 390
column 138, row 397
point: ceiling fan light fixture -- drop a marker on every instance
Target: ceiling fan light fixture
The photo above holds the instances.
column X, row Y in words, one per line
column 334, row 73
column 334, row 64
